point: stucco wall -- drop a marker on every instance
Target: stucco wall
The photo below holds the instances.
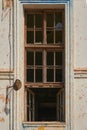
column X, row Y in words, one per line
column 80, row 35
column 80, row 64
column 6, row 64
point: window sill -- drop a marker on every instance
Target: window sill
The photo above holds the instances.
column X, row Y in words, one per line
column 44, row 124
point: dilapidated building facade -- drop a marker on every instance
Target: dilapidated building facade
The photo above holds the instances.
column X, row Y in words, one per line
column 43, row 44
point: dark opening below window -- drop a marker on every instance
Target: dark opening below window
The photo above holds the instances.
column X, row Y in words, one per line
column 45, row 104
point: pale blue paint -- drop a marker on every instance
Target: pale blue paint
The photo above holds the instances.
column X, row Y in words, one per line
column 43, row 1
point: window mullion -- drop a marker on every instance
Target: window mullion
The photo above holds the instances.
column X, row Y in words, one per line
column 29, row 107
column 26, row 106
column 34, row 29
column 44, row 29
column 34, row 67
column 44, row 66
column 54, row 68
column 54, row 28
column 44, row 51
column 63, row 64
column 33, row 108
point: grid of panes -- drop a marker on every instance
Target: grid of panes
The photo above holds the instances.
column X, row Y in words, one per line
column 44, row 28
column 34, row 66
column 52, row 29
column 52, row 69
column 34, row 28
column 54, row 66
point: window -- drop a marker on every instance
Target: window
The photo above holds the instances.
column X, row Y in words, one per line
column 44, row 67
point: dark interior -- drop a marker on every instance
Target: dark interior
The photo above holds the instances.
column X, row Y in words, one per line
column 45, row 104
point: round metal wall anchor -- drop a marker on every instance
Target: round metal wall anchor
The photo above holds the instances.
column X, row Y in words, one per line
column 17, row 85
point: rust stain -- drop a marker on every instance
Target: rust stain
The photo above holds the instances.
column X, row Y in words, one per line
column 8, row 3
column 2, row 97
column 6, row 71
column 2, row 119
column 41, row 128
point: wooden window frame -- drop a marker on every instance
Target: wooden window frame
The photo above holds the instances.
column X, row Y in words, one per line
column 45, row 47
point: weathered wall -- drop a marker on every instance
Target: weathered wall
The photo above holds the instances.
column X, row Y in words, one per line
column 6, row 46
column 80, row 64
column 6, row 64
column 80, row 35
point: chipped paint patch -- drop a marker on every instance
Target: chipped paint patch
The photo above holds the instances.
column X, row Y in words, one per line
column 2, row 97
column 2, row 119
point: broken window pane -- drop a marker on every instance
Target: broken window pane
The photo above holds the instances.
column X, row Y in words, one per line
column 30, row 58
column 38, row 58
column 30, row 75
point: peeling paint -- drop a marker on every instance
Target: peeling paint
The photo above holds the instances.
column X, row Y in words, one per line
column 2, row 119
column 2, row 97
column 41, row 128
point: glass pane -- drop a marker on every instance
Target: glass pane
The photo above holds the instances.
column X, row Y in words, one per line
column 30, row 58
column 50, row 58
column 30, row 21
column 58, row 36
column 50, row 75
column 58, row 58
column 30, row 75
column 58, row 20
column 50, row 37
column 39, row 37
column 30, row 37
column 58, row 75
column 38, row 75
column 38, row 20
column 50, row 20
column 38, row 58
